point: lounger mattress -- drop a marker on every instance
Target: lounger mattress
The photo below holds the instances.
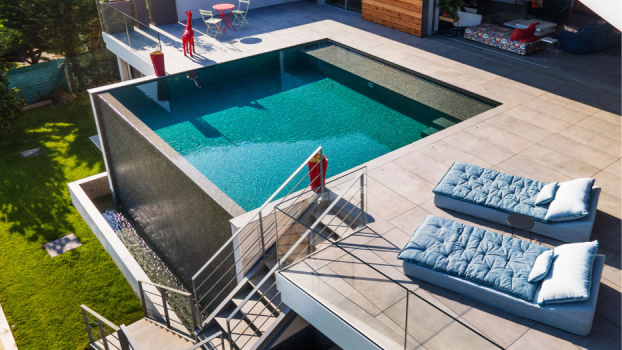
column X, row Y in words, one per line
column 500, row 262
column 489, row 188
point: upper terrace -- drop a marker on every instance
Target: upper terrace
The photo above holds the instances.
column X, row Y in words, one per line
column 549, row 127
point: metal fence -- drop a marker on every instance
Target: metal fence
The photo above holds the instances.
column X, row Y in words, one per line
column 75, row 73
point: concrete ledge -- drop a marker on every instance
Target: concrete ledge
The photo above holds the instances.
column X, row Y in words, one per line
column 119, row 253
column 7, row 342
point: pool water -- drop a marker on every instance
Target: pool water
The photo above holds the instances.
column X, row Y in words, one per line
column 247, row 125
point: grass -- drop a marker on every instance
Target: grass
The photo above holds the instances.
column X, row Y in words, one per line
column 41, row 295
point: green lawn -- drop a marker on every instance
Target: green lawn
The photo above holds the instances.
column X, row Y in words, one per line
column 41, row 295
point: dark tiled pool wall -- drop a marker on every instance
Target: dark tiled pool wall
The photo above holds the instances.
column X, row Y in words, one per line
column 183, row 216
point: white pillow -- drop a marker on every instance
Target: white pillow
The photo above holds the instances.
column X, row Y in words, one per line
column 571, row 200
column 547, row 193
column 570, row 277
column 541, row 267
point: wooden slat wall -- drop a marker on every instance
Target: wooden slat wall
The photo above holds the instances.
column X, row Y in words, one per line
column 403, row 15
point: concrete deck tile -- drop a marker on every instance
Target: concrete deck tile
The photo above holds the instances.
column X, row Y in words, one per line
column 579, row 151
column 387, row 51
column 420, row 64
column 518, row 86
column 395, row 327
column 541, row 337
column 610, row 183
column 502, row 327
column 377, row 223
column 367, row 281
column 334, row 280
column 448, row 154
column 593, row 139
column 602, row 127
column 474, row 71
column 609, row 204
column 410, row 220
column 521, row 166
column 433, row 329
column 605, row 335
column 612, row 270
column 568, row 103
column 440, row 59
column 614, row 168
column 386, row 202
column 536, row 118
column 607, row 230
column 520, row 128
column 403, row 182
column 608, row 117
column 479, row 148
column 382, row 255
column 458, row 78
column 499, row 137
column 502, row 93
column 423, row 166
column 562, row 163
column 555, row 110
column 609, row 299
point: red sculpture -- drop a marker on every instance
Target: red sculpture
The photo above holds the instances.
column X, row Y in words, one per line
column 188, row 38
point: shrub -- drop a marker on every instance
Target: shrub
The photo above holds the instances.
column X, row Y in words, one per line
column 10, row 102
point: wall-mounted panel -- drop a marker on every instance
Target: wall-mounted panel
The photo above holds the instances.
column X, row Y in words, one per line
column 402, row 15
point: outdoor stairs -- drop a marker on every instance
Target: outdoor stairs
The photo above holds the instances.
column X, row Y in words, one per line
column 148, row 336
column 256, row 318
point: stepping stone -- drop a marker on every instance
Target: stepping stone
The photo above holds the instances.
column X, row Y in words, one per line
column 31, row 152
column 62, row 245
column 95, row 140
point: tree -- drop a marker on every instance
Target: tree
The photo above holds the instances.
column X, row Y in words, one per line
column 10, row 102
column 63, row 27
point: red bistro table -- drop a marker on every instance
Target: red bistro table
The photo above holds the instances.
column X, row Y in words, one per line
column 220, row 9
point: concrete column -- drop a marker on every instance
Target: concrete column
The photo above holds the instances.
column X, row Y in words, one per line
column 124, row 70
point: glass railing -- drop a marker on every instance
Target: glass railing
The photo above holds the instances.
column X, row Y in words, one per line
column 133, row 33
column 358, row 277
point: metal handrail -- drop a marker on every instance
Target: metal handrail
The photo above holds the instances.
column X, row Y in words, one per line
column 257, row 216
column 167, row 319
column 100, row 320
column 128, row 340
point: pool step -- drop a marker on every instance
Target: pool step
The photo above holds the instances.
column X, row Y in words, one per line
column 443, row 123
column 429, row 131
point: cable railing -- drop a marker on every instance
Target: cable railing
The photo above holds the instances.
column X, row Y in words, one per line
column 133, row 33
column 406, row 312
column 105, row 334
column 160, row 311
column 252, row 242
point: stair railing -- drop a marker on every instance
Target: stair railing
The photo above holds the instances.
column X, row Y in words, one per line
column 106, row 332
column 251, row 243
column 185, row 308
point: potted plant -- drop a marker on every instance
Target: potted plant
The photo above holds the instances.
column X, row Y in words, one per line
column 157, row 58
column 314, row 172
column 449, row 8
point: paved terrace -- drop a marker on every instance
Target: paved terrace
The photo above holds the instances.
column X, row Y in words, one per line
column 548, row 128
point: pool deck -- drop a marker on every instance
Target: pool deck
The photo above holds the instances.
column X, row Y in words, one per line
column 547, row 129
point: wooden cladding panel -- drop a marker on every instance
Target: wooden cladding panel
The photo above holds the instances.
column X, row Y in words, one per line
column 402, row 15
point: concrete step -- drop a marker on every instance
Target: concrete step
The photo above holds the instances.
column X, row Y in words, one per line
column 151, row 336
column 258, row 312
column 242, row 334
column 334, row 224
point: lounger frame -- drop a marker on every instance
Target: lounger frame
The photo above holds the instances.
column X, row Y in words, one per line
column 573, row 231
column 575, row 317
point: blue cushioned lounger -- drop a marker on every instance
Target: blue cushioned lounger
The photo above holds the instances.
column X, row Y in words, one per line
column 493, row 269
column 493, row 196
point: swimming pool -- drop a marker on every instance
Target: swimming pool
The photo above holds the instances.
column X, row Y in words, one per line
column 248, row 124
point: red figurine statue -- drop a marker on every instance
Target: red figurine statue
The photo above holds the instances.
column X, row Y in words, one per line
column 188, row 38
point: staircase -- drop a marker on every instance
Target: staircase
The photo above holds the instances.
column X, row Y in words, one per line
column 147, row 335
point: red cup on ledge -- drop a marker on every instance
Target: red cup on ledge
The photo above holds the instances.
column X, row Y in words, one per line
column 157, row 58
column 314, row 172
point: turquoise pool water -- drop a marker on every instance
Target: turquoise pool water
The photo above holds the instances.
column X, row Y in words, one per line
column 248, row 125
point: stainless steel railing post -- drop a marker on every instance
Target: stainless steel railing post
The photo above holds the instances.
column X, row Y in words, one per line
column 88, row 327
column 321, row 172
column 142, row 297
column 193, row 313
column 363, row 220
column 166, row 317
column 123, row 340
column 406, row 323
column 102, row 332
column 263, row 243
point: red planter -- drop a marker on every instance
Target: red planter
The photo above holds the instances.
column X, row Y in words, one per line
column 157, row 58
column 314, row 172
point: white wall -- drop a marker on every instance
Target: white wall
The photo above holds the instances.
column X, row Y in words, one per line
column 195, row 5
